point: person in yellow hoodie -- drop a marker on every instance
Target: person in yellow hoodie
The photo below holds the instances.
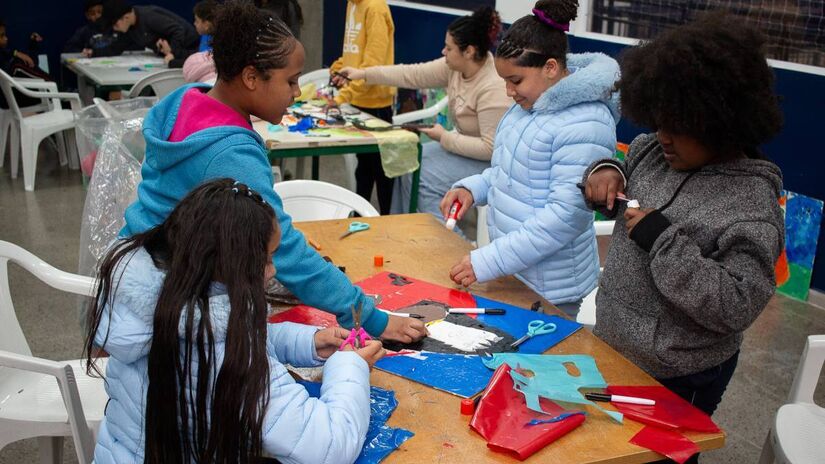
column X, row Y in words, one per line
column 368, row 41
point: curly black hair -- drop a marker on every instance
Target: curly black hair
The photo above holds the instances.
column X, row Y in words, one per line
column 531, row 41
column 708, row 80
column 480, row 30
column 245, row 35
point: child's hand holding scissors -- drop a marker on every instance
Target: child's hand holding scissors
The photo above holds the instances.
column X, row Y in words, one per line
column 371, row 352
column 328, row 340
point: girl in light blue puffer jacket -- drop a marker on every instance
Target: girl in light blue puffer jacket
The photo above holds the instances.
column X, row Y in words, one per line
column 564, row 118
column 195, row 373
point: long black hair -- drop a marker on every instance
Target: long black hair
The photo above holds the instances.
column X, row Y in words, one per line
column 245, row 35
column 480, row 30
column 219, row 232
column 536, row 38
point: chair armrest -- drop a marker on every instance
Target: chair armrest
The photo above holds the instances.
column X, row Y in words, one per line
column 807, row 374
column 418, row 115
column 73, row 98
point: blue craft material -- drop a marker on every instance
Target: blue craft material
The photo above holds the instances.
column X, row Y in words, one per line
column 303, row 125
column 551, row 379
column 553, row 420
column 459, row 374
column 381, row 440
column 517, row 319
column 134, row 68
column 275, row 128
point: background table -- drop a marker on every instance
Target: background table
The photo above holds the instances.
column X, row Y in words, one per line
column 96, row 74
column 417, row 245
column 285, row 144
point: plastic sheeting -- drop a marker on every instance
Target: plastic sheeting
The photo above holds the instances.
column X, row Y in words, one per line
column 381, row 440
column 112, row 131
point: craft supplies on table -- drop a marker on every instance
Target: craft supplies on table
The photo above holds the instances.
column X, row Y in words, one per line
column 355, row 227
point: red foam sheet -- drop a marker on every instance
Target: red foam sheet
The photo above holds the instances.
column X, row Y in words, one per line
column 393, row 297
column 666, row 442
column 670, row 411
column 502, row 417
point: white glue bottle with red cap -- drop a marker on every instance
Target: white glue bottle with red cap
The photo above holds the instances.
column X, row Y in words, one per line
column 452, row 218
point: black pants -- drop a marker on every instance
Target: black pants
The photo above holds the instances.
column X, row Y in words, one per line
column 370, row 171
column 703, row 389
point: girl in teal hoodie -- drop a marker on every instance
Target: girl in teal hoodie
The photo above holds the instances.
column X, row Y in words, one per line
column 199, row 133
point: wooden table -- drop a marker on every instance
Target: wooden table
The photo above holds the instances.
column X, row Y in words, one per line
column 417, row 245
column 285, row 144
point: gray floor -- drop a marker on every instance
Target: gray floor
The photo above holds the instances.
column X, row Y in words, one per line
column 47, row 222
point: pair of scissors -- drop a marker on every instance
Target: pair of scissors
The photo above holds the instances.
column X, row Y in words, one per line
column 355, row 227
column 357, row 336
column 534, row 328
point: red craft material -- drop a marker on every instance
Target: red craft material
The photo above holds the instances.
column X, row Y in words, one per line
column 378, row 261
column 666, row 442
column 393, row 298
column 467, row 407
column 670, row 410
column 502, row 417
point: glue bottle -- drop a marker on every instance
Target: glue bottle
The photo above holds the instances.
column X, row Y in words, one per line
column 452, row 218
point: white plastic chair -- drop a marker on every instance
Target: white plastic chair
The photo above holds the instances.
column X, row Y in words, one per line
column 798, row 431
column 320, row 77
column 313, row 200
column 162, row 83
column 33, row 404
column 587, row 310
column 418, row 115
column 34, row 128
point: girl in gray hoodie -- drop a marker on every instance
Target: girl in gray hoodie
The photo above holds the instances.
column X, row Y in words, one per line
column 693, row 267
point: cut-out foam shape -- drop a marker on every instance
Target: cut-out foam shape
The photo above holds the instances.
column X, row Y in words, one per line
column 551, row 378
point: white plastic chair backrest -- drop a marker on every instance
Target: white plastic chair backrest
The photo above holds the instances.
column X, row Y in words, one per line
column 418, row 115
column 11, row 335
column 320, row 77
column 162, row 83
column 809, row 370
column 6, row 85
column 313, row 200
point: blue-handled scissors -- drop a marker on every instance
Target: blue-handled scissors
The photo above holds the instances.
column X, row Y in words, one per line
column 534, row 328
column 355, row 227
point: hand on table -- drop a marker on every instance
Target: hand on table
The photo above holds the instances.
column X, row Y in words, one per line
column 404, row 329
column 464, row 196
column 163, row 46
column 168, row 57
column 87, row 52
column 603, row 186
column 463, row 273
column 371, row 352
column 435, row 132
column 327, row 341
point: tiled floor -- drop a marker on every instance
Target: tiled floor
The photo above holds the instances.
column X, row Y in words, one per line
column 47, row 222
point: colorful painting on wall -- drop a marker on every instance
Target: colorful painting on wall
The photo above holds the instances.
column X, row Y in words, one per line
column 803, row 217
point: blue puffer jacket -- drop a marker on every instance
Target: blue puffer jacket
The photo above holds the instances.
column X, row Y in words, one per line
column 297, row 428
column 540, row 227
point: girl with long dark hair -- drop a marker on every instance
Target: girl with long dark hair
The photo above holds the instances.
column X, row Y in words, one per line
column 195, row 373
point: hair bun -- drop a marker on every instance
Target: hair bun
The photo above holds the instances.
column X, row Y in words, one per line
column 560, row 11
column 490, row 20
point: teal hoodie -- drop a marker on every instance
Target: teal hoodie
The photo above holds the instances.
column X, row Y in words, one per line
column 171, row 169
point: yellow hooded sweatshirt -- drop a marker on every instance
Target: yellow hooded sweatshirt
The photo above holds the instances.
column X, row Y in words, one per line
column 368, row 41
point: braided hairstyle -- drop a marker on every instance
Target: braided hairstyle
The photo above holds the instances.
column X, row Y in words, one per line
column 244, row 36
column 480, row 30
column 532, row 41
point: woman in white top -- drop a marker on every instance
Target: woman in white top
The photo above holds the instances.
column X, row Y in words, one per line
column 478, row 100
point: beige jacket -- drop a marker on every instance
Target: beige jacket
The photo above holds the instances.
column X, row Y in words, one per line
column 476, row 104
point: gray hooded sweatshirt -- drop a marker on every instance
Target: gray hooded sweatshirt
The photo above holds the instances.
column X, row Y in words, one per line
column 676, row 296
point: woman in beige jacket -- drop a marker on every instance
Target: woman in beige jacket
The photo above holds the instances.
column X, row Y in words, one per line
column 478, row 100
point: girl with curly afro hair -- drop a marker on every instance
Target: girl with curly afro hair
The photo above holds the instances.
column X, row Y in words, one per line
column 692, row 265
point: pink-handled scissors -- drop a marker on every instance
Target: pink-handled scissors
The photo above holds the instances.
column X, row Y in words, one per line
column 357, row 336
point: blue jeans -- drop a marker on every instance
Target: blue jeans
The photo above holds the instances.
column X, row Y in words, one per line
column 440, row 169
